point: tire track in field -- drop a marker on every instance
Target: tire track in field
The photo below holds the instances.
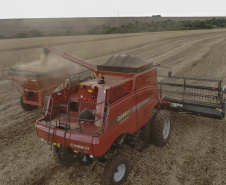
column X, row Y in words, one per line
column 108, row 39
column 196, row 140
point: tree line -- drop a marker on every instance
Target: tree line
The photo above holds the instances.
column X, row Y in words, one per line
column 167, row 25
column 135, row 27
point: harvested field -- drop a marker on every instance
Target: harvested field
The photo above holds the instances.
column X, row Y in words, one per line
column 196, row 151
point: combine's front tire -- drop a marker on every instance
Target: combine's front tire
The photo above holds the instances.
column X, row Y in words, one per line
column 25, row 106
column 146, row 130
column 160, row 128
column 116, row 170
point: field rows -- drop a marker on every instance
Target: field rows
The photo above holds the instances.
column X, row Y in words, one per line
column 196, row 151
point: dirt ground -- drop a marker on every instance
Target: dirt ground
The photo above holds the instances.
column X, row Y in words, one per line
column 195, row 153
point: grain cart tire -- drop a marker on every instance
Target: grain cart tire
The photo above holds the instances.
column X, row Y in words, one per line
column 25, row 106
column 146, row 129
column 160, row 128
column 116, row 170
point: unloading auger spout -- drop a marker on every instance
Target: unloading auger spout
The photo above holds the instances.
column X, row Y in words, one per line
column 47, row 49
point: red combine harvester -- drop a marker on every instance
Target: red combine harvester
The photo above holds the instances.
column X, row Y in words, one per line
column 121, row 100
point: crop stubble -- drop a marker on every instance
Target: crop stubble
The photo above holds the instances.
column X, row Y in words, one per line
column 195, row 153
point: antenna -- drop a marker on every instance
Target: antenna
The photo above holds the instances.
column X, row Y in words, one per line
column 118, row 19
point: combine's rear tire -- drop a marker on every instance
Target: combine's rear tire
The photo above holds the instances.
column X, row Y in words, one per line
column 160, row 128
column 64, row 155
column 25, row 106
column 146, row 130
column 66, row 160
column 116, row 170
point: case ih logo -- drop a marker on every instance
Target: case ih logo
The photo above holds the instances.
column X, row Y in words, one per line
column 79, row 146
column 123, row 115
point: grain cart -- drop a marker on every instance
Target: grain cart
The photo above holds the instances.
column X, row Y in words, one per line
column 89, row 120
column 39, row 79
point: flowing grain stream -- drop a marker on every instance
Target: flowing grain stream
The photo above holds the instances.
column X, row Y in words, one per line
column 195, row 153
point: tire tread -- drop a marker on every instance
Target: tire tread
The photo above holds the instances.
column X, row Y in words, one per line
column 107, row 178
column 25, row 106
column 157, row 128
column 146, row 130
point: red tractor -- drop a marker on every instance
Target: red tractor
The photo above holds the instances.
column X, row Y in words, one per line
column 117, row 103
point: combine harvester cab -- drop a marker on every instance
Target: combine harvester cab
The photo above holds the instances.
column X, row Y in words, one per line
column 92, row 118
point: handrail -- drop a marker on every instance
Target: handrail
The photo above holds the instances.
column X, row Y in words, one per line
column 79, row 119
column 50, row 98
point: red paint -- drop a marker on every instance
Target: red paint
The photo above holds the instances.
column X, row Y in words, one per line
column 41, row 86
column 132, row 98
column 122, row 103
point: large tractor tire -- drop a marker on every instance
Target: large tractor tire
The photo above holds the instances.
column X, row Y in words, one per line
column 160, row 128
column 146, row 129
column 65, row 160
column 25, row 106
column 116, row 170
column 64, row 155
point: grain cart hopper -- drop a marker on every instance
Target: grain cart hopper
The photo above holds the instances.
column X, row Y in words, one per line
column 88, row 121
column 39, row 79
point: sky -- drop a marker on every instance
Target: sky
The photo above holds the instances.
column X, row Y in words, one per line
column 112, row 8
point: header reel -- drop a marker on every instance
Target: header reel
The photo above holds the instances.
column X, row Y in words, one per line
column 204, row 96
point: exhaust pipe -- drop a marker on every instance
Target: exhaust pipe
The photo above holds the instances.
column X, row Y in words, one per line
column 44, row 57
